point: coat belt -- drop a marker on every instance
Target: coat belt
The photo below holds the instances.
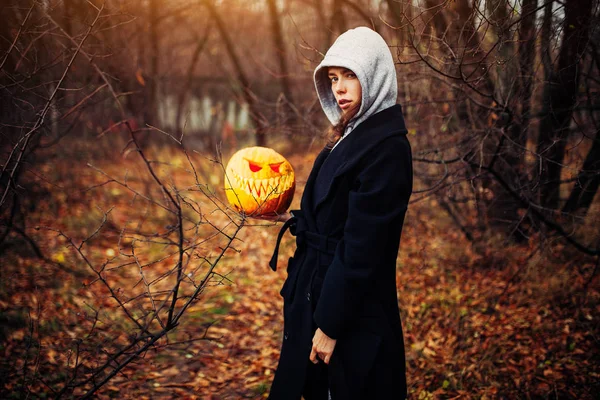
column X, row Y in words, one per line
column 317, row 241
column 285, row 227
column 322, row 243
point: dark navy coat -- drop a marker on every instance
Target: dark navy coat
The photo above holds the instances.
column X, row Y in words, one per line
column 342, row 277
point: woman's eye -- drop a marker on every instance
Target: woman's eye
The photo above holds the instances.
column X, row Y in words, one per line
column 333, row 79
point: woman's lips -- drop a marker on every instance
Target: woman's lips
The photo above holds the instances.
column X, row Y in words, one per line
column 344, row 104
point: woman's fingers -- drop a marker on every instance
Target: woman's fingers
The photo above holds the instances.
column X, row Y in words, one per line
column 273, row 217
column 316, row 352
column 321, row 354
column 313, row 355
column 322, row 347
column 266, row 217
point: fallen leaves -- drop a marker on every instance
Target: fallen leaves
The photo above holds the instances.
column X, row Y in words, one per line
column 470, row 331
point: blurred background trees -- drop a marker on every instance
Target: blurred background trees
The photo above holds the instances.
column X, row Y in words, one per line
column 504, row 90
column 501, row 98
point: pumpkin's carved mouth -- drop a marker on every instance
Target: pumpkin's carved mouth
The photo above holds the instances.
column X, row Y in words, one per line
column 263, row 189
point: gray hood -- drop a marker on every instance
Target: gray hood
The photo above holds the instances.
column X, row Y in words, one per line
column 363, row 51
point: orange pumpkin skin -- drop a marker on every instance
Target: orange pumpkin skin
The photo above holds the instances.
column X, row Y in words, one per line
column 258, row 180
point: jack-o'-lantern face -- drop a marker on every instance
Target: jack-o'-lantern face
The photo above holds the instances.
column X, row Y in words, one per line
column 258, row 180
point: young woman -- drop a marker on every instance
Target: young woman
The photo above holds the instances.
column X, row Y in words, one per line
column 342, row 334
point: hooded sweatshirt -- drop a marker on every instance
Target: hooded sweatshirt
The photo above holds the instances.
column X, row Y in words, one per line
column 364, row 52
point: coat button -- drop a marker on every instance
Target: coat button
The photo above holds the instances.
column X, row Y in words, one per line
column 308, row 296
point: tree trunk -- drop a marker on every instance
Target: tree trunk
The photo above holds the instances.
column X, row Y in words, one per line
column 514, row 91
column 545, row 39
column 137, row 105
column 257, row 118
column 364, row 12
column 526, row 60
column 498, row 210
column 588, row 181
column 319, row 7
column 68, row 16
column 434, row 12
column 188, row 79
column 151, row 110
column 338, row 19
column 474, row 66
column 506, row 71
column 401, row 12
column 560, row 94
column 520, row 106
column 281, row 53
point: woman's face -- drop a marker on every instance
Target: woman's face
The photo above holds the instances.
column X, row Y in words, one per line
column 346, row 88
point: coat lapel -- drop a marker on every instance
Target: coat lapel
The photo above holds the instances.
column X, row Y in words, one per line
column 367, row 135
column 309, row 187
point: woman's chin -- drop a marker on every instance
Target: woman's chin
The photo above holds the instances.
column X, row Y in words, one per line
column 346, row 107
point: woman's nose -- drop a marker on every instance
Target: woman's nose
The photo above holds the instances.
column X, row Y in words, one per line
column 341, row 87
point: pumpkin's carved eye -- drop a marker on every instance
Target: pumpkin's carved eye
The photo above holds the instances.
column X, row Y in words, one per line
column 254, row 167
column 275, row 167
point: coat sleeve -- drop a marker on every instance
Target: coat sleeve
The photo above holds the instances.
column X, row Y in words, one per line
column 383, row 188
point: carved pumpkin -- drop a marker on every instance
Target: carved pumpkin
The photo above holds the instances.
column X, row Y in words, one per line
column 258, row 180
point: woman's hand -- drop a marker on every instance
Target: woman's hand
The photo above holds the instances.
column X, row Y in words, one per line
column 322, row 347
column 273, row 217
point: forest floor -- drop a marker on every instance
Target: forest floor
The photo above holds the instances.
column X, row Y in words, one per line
column 490, row 321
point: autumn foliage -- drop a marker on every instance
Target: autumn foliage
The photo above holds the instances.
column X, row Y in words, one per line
column 126, row 273
column 499, row 321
